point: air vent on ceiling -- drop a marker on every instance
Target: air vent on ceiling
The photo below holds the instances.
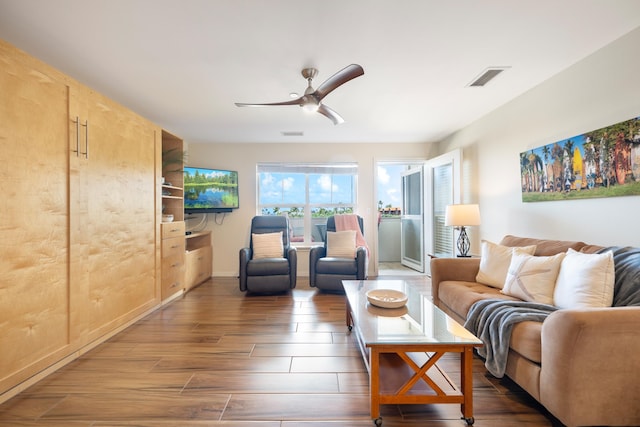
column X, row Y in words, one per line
column 293, row 133
column 486, row 76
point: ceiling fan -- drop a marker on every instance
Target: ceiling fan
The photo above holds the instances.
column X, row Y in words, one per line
column 312, row 98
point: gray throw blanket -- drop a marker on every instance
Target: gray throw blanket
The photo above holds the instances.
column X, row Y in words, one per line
column 492, row 320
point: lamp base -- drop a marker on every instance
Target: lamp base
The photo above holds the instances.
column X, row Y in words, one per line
column 463, row 243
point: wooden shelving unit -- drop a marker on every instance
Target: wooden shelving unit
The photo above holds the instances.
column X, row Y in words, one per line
column 173, row 242
column 173, row 185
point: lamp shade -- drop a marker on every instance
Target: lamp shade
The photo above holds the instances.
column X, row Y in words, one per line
column 462, row 215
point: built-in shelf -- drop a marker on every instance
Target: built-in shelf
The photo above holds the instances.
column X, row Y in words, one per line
column 173, row 242
column 171, row 187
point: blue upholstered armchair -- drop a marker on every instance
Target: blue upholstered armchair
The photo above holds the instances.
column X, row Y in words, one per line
column 269, row 264
column 327, row 273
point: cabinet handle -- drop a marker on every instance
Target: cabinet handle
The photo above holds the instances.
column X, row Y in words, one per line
column 77, row 150
column 86, row 139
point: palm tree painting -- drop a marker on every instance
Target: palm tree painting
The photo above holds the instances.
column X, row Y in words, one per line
column 601, row 163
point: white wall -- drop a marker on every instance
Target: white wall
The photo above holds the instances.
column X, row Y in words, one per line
column 601, row 90
column 232, row 232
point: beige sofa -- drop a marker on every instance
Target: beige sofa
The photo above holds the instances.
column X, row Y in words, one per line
column 583, row 365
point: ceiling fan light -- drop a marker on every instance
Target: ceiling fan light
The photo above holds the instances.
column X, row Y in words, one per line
column 310, row 104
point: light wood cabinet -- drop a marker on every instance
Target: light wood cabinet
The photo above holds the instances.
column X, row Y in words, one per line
column 34, row 231
column 198, row 262
column 173, row 258
column 79, row 240
column 113, row 164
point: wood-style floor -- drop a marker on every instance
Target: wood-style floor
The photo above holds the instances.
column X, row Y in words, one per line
column 218, row 357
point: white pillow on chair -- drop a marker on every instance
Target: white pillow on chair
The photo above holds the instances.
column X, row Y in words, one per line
column 267, row 245
column 341, row 244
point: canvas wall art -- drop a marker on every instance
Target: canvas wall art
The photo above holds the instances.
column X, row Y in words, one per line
column 601, row 163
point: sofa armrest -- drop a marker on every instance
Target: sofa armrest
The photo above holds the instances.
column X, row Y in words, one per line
column 460, row 269
column 590, row 365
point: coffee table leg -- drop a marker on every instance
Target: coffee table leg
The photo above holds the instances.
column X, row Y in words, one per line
column 348, row 317
column 466, row 369
column 374, row 385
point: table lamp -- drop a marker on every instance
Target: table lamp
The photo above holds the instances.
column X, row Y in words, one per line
column 461, row 216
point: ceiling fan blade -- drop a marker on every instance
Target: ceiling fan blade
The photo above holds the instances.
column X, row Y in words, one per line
column 292, row 102
column 341, row 77
column 332, row 115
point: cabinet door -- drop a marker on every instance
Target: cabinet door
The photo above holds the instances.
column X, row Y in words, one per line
column 198, row 266
column 34, row 254
column 117, row 189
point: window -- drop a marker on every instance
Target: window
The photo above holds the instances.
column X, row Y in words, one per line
column 308, row 194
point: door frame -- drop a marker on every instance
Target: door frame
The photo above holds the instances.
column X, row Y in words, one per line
column 374, row 261
column 454, row 158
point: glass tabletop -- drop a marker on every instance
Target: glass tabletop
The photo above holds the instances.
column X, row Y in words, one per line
column 419, row 321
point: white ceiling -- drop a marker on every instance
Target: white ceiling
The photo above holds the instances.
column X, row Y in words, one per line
column 183, row 64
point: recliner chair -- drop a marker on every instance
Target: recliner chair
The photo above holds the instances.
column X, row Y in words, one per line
column 268, row 275
column 327, row 273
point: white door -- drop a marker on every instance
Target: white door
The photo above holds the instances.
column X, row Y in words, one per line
column 412, row 220
column 443, row 188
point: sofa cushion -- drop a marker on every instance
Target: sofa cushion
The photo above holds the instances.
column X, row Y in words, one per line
column 585, row 280
column 526, row 340
column 494, row 263
column 459, row 296
column 544, row 247
column 533, row 278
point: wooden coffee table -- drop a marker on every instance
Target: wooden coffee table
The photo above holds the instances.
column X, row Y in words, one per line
column 400, row 347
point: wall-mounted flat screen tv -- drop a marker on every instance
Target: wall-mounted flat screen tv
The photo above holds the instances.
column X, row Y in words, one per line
column 210, row 190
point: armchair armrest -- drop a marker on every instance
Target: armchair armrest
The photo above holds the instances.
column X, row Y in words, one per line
column 362, row 261
column 292, row 256
column 591, row 356
column 315, row 253
column 245, row 256
column 459, row 269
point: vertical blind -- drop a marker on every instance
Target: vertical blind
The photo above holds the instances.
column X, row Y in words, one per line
column 442, row 196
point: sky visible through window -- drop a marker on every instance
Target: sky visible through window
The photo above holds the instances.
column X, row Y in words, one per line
column 291, row 188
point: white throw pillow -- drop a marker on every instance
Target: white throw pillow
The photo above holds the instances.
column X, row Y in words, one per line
column 267, row 245
column 533, row 278
column 494, row 262
column 341, row 244
column 585, row 280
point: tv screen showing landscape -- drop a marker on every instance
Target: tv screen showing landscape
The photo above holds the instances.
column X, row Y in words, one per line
column 210, row 190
